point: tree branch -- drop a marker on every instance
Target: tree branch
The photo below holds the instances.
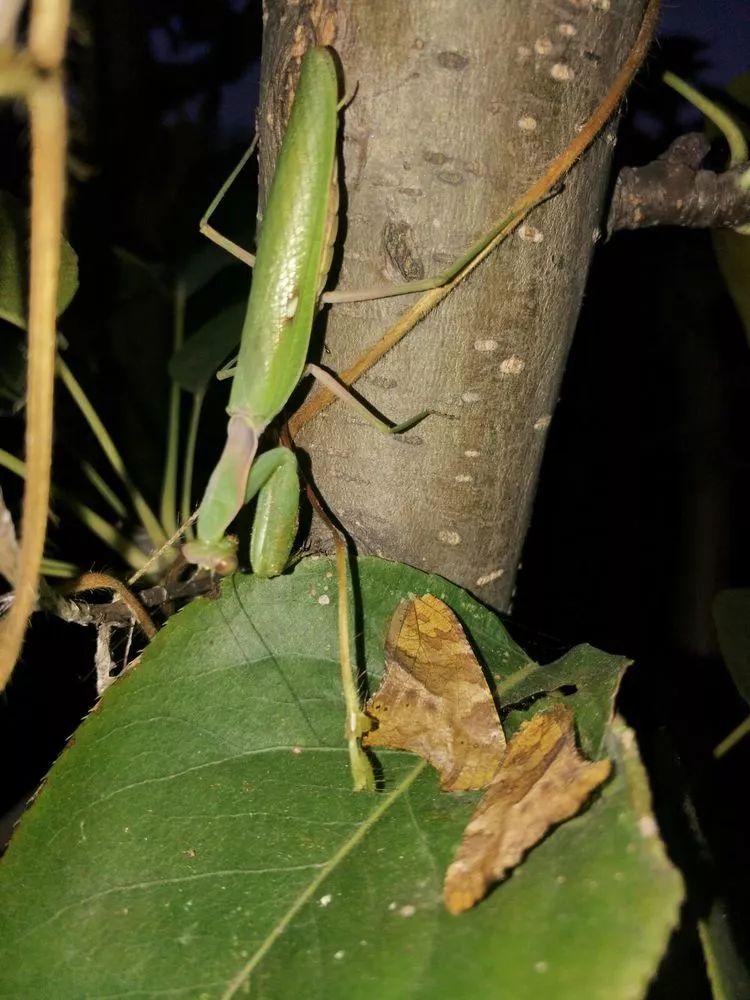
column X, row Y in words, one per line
column 675, row 191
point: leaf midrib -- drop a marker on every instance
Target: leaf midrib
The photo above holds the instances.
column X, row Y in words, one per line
column 241, row 977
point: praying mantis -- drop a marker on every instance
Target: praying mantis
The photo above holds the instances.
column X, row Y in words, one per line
column 290, row 271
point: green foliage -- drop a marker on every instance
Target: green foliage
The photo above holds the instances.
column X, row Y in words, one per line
column 216, row 312
column 200, row 837
column 732, row 248
column 732, row 617
column 733, row 256
column 596, row 678
column 14, row 264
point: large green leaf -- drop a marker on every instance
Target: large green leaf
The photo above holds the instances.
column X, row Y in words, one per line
column 733, row 256
column 732, row 618
column 14, row 264
column 200, row 838
column 732, row 249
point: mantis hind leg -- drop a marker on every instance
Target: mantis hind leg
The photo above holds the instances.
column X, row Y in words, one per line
column 213, row 234
column 341, row 392
column 275, row 480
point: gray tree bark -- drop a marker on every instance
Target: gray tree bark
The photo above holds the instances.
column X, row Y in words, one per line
column 459, row 106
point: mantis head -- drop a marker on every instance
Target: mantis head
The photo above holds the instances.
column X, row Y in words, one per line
column 220, row 557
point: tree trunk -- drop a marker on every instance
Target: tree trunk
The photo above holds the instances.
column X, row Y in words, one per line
column 458, row 108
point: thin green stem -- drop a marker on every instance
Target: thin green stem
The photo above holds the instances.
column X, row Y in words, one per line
column 104, row 490
column 363, row 779
column 189, row 463
column 734, row 737
column 58, row 568
column 147, row 517
column 168, row 507
column 96, row 524
column 716, row 114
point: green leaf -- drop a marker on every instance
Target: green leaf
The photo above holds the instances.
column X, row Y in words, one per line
column 726, row 970
column 595, row 677
column 732, row 249
column 200, row 838
column 12, row 370
column 215, row 313
column 14, row 264
column 732, row 619
column 733, row 257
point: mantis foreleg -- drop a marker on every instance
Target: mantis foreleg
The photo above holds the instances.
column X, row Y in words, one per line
column 275, row 480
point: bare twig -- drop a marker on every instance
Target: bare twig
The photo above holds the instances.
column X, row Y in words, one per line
column 674, row 191
column 78, row 611
column 102, row 581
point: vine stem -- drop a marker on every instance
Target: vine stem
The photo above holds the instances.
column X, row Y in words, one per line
column 539, row 191
column 47, row 113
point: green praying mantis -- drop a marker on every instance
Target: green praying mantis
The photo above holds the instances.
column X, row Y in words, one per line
column 290, row 272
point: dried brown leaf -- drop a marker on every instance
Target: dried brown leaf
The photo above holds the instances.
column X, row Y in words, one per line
column 434, row 699
column 542, row 781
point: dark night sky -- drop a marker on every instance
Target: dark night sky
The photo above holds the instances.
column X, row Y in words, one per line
column 724, row 27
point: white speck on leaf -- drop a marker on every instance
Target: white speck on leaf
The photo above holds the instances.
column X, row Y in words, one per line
column 541, row 966
column 392, row 906
column 567, row 30
column 324, row 599
column 542, row 46
column 472, row 454
column 326, row 900
column 527, row 123
column 543, row 422
column 463, row 477
column 485, row 345
column 470, row 397
column 408, row 910
column 482, row 581
column 339, row 955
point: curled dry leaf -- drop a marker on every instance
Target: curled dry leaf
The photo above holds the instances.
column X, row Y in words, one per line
column 542, row 781
column 434, row 699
